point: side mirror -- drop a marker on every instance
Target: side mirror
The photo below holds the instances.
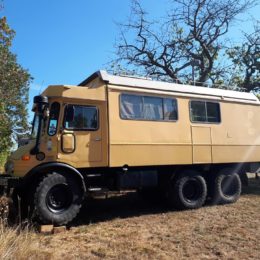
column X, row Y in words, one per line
column 70, row 111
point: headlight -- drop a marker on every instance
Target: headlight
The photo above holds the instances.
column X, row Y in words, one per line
column 9, row 167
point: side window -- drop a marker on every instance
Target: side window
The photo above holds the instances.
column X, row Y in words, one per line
column 198, row 111
column 170, row 109
column 213, row 112
column 131, row 107
column 152, row 108
column 202, row 111
column 148, row 108
column 54, row 118
column 84, row 117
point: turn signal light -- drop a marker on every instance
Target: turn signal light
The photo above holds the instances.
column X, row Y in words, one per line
column 26, row 157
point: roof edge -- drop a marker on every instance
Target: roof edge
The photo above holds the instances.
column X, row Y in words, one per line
column 102, row 74
column 166, row 86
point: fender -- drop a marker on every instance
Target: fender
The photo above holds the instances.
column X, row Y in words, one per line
column 50, row 165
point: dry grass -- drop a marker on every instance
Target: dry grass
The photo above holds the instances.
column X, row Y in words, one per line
column 16, row 244
column 127, row 228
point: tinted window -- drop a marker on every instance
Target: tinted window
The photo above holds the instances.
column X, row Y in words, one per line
column 53, row 119
column 213, row 112
column 85, row 118
column 147, row 108
column 201, row 111
column 198, row 111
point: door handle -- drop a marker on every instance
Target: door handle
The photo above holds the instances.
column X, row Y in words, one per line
column 98, row 139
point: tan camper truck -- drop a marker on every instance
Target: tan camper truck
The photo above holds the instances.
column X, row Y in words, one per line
column 112, row 133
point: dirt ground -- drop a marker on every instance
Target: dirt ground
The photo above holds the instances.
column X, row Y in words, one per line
column 127, row 227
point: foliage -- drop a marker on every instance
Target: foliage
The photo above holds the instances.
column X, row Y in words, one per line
column 185, row 46
column 14, row 87
column 246, row 61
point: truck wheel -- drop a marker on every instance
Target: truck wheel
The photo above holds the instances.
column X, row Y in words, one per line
column 227, row 187
column 57, row 199
column 189, row 191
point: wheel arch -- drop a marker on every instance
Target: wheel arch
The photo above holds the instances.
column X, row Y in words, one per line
column 240, row 168
column 183, row 170
column 41, row 170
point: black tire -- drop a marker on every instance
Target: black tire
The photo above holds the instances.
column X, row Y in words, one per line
column 189, row 191
column 57, row 199
column 227, row 187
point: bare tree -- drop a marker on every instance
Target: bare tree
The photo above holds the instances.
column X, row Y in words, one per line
column 246, row 61
column 185, row 46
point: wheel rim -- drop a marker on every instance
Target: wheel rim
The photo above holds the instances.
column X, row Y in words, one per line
column 59, row 198
column 229, row 186
column 192, row 190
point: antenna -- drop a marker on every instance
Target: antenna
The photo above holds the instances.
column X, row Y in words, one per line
column 40, row 90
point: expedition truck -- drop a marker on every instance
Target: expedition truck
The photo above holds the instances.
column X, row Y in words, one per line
column 113, row 133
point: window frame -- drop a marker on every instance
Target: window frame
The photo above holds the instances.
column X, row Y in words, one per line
column 149, row 120
column 49, row 120
column 80, row 129
column 205, row 122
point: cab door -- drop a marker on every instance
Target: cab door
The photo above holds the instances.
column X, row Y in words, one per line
column 83, row 135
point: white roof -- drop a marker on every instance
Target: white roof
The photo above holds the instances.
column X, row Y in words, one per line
column 147, row 84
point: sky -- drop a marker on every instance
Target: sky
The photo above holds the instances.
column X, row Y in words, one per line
column 64, row 42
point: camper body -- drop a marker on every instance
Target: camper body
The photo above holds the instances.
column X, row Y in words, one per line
column 113, row 132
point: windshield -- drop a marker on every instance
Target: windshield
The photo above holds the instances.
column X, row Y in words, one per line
column 35, row 126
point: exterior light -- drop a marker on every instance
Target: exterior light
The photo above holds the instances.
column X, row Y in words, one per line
column 26, row 157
